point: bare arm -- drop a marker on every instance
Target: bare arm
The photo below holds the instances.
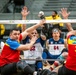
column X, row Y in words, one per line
column 65, row 15
column 24, row 14
column 47, row 43
column 71, row 33
column 65, row 43
column 24, row 25
column 43, row 37
column 25, row 31
column 29, row 45
column 30, row 29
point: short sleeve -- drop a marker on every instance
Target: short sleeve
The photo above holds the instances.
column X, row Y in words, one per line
column 20, row 38
column 12, row 44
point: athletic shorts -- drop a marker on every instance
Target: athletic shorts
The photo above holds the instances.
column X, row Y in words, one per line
column 65, row 71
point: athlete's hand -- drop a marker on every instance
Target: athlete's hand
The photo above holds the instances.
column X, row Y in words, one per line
column 33, row 39
column 42, row 22
column 24, row 11
column 64, row 13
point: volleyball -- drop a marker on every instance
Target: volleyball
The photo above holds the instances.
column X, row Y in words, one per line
column 41, row 13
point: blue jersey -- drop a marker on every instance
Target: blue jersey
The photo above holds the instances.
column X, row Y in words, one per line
column 52, row 41
column 13, row 44
column 39, row 40
column 56, row 47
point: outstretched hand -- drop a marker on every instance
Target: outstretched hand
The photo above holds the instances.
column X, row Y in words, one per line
column 64, row 13
column 24, row 11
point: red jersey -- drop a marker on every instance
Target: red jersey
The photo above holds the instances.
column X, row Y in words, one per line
column 9, row 53
column 71, row 59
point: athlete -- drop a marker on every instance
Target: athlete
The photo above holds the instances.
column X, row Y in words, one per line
column 36, row 51
column 70, row 66
column 9, row 58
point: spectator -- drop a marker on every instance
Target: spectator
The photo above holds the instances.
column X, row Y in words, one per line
column 2, row 31
column 48, row 26
column 9, row 58
column 19, row 26
column 54, row 16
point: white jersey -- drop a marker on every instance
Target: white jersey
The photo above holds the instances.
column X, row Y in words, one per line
column 33, row 53
column 56, row 49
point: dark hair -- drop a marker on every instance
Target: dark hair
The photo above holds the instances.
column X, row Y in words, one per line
column 55, row 12
column 17, row 29
column 38, row 30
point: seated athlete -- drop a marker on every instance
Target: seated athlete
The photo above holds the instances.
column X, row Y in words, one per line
column 9, row 58
column 54, row 45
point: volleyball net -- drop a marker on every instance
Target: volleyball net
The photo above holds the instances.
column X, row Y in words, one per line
column 36, row 21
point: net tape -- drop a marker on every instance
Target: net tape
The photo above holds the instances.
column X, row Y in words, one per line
column 36, row 21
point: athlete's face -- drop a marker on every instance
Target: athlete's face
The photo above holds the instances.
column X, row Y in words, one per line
column 56, row 34
column 15, row 35
column 34, row 33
